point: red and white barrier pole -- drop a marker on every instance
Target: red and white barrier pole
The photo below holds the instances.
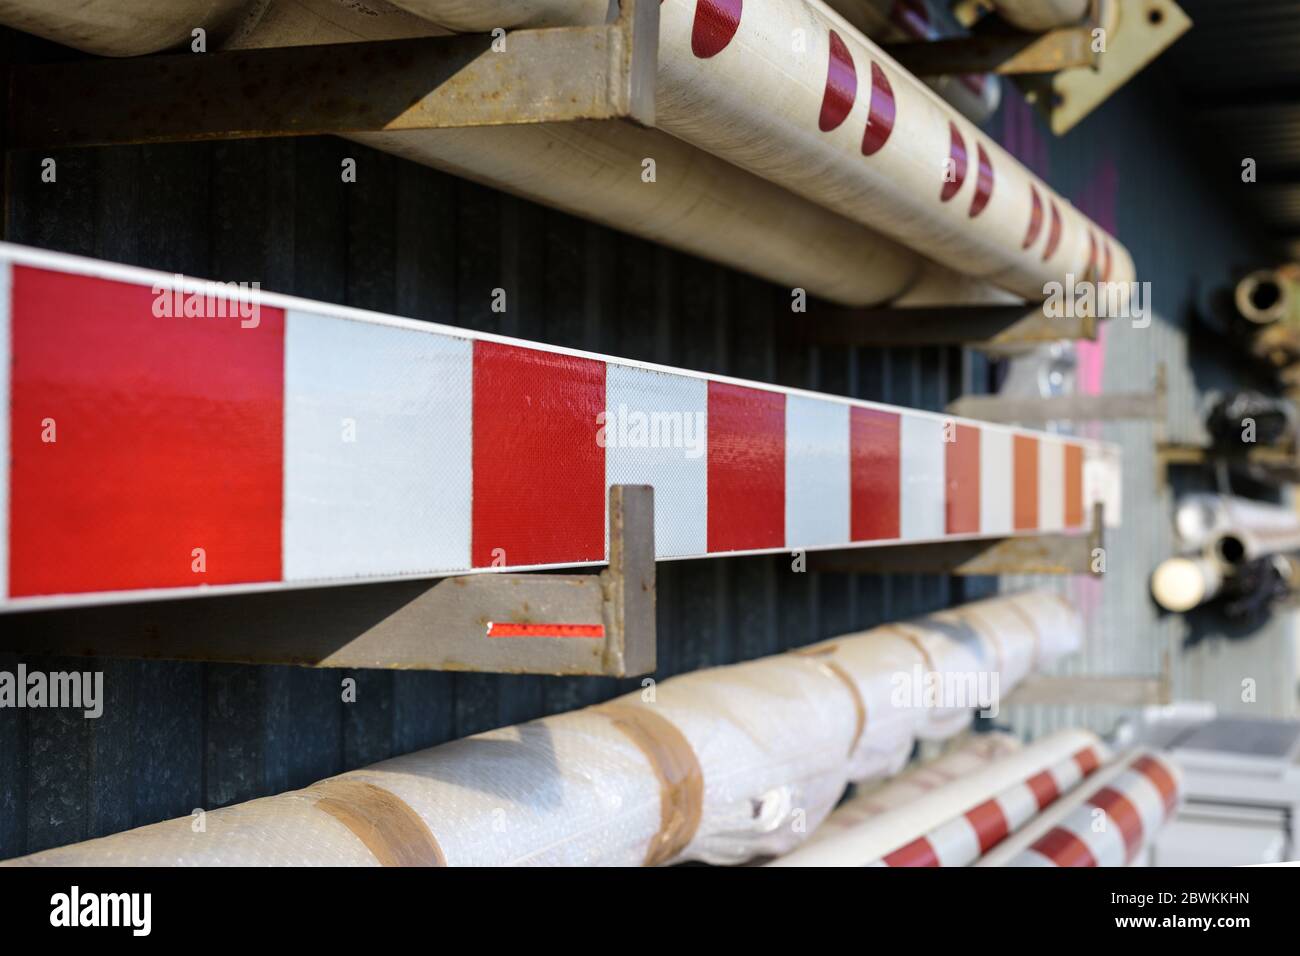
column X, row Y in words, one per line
column 1107, row 822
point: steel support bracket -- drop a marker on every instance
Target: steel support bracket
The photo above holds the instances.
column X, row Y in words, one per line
column 1026, row 554
column 1119, row 406
column 986, row 327
column 1137, row 33
column 995, row 47
column 1278, row 465
column 597, row 624
column 556, row 75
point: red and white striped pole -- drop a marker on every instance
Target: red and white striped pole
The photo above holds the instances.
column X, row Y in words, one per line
column 1107, row 823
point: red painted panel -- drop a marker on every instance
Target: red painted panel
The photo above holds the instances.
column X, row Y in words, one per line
column 874, row 506
column 841, row 85
column 881, row 112
column 169, row 438
column 1025, row 478
column 1075, row 513
column 990, row 824
column 746, row 490
column 539, row 474
column 1121, row 810
column 962, row 468
column 1064, row 848
column 917, row 853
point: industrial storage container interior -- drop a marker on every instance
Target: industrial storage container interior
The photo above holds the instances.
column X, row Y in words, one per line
column 782, row 433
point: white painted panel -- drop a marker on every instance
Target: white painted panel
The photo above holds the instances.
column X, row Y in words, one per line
column 816, row 472
column 656, row 433
column 377, row 439
column 921, row 456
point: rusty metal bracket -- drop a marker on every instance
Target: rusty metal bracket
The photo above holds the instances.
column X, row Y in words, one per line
column 989, row 327
column 1137, row 32
column 1027, row 554
column 993, row 47
column 1124, row 692
column 561, row 74
column 1119, row 406
column 600, row 624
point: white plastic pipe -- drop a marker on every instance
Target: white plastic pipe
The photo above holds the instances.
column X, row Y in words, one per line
column 698, row 204
column 773, row 88
column 1180, row 584
column 1202, row 516
column 1108, row 821
column 123, row 27
column 719, row 765
column 867, row 840
column 974, row 752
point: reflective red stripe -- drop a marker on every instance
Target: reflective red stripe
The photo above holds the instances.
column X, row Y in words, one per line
column 1087, row 760
column 954, row 173
column 1035, row 218
column 508, row 629
column 881, row 113
column 989, row 823
column 983, row 182
column 1163, row 780
column 716, row 23
column 1053, row 233
column 841, row 85
column 917, row 853
column 1121, row 810
column 1064, row 848
column 1025, row 483
column 1043, row 786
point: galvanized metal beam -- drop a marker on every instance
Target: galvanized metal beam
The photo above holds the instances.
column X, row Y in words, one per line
column 1040, row 554
column 595, row 624
column 563, row 74
column 978, row 326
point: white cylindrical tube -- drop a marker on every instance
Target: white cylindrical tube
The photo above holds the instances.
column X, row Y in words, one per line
column 774, row 88
column 719, row 765
column 125, row 27
column 1233, row 547
column 878, row 837
column 1038, row 16
column 1180, row 584
column 1267, row 296
column 1107, row 821
column 1202, row 516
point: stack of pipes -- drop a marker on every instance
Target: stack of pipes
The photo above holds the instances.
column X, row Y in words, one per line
column 1237, row 547
column 787, row 144
column 720, row 765
column 1056, row 802
column 1267, row 305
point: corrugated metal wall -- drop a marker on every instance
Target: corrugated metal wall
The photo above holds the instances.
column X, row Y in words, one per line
column 410, row 241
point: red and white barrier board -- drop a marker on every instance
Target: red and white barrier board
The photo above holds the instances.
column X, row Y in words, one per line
column 167, row 436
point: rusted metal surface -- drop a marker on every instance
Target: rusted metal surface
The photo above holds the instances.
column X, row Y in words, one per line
column 538, row 76
column 404, row 626
column 980, row 326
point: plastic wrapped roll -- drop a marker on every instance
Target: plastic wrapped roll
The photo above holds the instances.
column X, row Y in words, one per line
column 953, row 824
column 719, row 765
column 1106, row 822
